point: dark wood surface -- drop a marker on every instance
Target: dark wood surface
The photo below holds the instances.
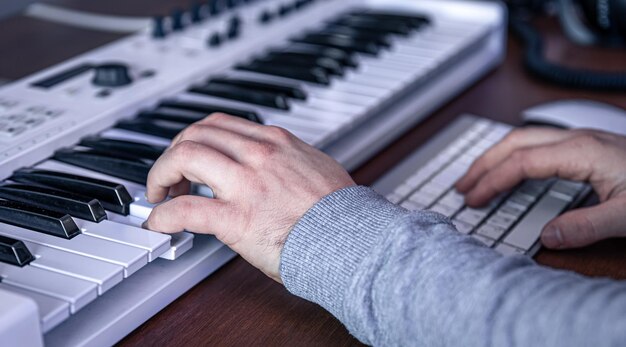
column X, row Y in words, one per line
column 238, row 305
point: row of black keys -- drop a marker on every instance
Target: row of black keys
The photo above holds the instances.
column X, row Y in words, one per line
column 313, row 58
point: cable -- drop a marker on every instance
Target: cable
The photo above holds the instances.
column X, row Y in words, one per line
column 87, row 20
column 536, row 63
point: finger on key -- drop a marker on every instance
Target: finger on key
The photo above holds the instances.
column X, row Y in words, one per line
column 540, row 162
column 582, row 227
column 517, row 139
column 194, row 162
column 191, row 213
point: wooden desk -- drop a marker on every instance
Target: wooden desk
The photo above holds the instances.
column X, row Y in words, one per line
column 238, row 305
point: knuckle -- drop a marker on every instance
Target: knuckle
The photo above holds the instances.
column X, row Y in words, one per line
column 588, row 140
column 185, row 150
column 515, row 135
column 278, row 134
column 263, row 151
column 217, row 117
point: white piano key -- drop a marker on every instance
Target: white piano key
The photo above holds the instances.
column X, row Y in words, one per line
column 154, row 243
column 181, row 243
column 104, row 274
column 344, row 97
column 366, row 90
column 333, row 106
column 131, row 258
column 52, row 311
column 374, row 81
column 73, row 290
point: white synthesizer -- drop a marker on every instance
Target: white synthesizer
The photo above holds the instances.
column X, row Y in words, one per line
column 77, row 139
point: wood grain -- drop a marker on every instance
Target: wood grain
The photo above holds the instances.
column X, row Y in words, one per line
column 238, row 305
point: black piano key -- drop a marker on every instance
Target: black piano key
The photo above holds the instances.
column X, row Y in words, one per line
column 172, row 115
column 113, row 196
column 291, row 91
column 143, row 150
column 209, row 109
column 381, row 39
column 344, row 57
column 14, row 252
column 248, row 95
column 341, row 42
column 311, row 75
column 158, row 128
column 125, row 167
column 38, row 219
column 401, row 29
column 415, row 20
column 331, row 66
column 56, row 200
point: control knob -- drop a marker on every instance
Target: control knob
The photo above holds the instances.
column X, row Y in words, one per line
column 111, row 75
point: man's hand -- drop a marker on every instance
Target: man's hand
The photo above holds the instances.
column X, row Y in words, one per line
column 264, row 180
column 539, row 153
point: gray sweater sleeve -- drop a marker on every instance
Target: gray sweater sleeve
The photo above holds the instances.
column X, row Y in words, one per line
column 395, row 277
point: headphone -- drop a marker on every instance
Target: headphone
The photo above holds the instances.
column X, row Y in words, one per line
column 594, row 22
column 586, row 22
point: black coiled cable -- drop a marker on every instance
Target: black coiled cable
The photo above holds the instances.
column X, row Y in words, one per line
column 536, row 63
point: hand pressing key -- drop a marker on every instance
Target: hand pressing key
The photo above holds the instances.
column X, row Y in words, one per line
column 263, row 177
column 540, row 153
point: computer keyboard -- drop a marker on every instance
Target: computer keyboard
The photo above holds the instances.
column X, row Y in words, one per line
column 511, row 223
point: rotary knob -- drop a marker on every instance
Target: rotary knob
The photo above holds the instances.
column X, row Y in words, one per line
column 112, row 75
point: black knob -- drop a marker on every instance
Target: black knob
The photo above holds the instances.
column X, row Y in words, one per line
column 266, row 16
column 196, row 13
column 284, row 10
column 111, row 75
column 158, row 29
column 177, row 20
column 215, row 7
column 214, row 40
column 234, row 27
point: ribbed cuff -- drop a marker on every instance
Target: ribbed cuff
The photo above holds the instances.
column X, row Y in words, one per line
column 330, row 241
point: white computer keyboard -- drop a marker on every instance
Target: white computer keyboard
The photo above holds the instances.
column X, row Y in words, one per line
column 511, row 223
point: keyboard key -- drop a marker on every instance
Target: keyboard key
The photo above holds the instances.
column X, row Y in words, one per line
column 527, row 231
column 251, row 96
column 14, row 252
column 73, row 290
column 143, row 150
column 56, row 200
column 502, row 220
column 471, row 216
column 125, row 167
column 104, row 274
column 423, row 198
column 49, row 222
column 444, row 210
column 154, row 243
column 52, row 311
column 209, row 109
column 113, row 196
column 292, row 91
column 506, row 250
column 412, row 205
column 131, row 258
column 492, row 231
column 483, row 239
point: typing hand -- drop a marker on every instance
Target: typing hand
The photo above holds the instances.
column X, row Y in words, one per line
column 263, row 177
column 539, row 153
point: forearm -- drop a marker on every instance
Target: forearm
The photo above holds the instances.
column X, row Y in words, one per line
column 398, row 278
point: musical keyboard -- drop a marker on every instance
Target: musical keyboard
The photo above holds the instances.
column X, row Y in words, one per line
column 78, row 139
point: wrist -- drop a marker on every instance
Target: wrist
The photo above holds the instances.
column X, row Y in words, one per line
column 330, row 241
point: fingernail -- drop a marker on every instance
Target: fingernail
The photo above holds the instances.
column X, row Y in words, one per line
column 552, row 237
